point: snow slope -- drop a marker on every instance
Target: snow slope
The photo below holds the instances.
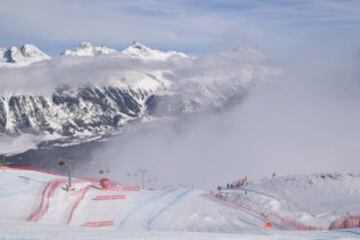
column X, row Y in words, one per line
column 25, row 192
column 28, row 196
column 34, row 205
column 332, row 195
column 14, row 230
column 301, row 202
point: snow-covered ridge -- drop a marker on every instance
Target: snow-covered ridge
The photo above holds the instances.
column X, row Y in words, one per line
column 28, row 54
column 331, row 194
column 89, row 50
column 140, row 51
column 22, row 56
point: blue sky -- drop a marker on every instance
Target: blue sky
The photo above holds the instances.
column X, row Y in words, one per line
column 187, row 25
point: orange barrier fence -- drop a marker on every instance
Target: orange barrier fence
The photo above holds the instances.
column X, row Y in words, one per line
column 110, row 197
column 29, row 168
column 99, row 224
column 120, row 187
column 345, row 222
column 113, row 187
column 47, row 193
column 76, row 204
column 264, row 213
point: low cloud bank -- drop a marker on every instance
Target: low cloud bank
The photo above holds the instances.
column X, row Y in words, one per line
column 236, row 66
column 306, row 121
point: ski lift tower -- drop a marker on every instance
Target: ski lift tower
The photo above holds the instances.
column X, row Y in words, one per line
column 67, row 163
column 143, row 172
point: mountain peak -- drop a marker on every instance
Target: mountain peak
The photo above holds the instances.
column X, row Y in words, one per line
column 31, row 51
column 24, row 55
column 84, row 44
column 139, row 45
column 89, row 50
column 140, row 51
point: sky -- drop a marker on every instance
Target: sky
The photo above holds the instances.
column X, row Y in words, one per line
column 195, row 27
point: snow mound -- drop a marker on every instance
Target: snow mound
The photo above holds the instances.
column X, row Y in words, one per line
column 87, row 49
column 23, row 56
column 140, row 51
column 321, row 195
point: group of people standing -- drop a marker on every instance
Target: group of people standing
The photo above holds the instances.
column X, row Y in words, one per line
column 235, row 185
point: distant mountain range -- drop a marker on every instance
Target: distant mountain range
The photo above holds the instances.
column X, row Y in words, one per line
column 156, row 89
column 28, row 54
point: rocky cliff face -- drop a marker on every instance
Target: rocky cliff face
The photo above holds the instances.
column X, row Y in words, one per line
column 72, row 112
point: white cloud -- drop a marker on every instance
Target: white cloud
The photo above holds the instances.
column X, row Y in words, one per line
column 307, row 121
column 241, row 65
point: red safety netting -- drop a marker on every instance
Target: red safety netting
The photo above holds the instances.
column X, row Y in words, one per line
column 47, row 193
column 29, row 168
column 110, row 197
column 345, row 222
column 289, row 222
column 99, row 224
column 121, row 187
column 76, row 204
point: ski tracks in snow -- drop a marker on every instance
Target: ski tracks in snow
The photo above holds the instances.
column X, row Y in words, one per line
column 151, row 200
column 170, row 204
column 143, row 204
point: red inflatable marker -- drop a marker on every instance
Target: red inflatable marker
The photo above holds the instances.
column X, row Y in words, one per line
column 267, row 225
column 105, row 183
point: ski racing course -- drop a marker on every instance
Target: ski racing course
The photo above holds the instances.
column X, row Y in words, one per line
column 35, row 203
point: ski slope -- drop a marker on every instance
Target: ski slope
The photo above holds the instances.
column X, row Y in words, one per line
column 34, row 204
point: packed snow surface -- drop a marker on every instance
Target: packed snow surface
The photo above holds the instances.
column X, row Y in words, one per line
column 34, row 205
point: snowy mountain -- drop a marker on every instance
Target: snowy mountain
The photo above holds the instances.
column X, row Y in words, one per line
column 90, row 111
column 140, row 51
column 25, row 55
column 84, row 111
column 87, row 49
column 88, row 98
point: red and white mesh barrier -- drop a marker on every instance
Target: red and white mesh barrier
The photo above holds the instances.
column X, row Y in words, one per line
column 29, row 168
column 82, row 193
column 99, row 224
column 292, row 223
column 110, row 197
column 345, row 222
column 124, row 188
column 47, row 193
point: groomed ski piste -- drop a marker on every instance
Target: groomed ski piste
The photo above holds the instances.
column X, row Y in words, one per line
column 35, row 205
